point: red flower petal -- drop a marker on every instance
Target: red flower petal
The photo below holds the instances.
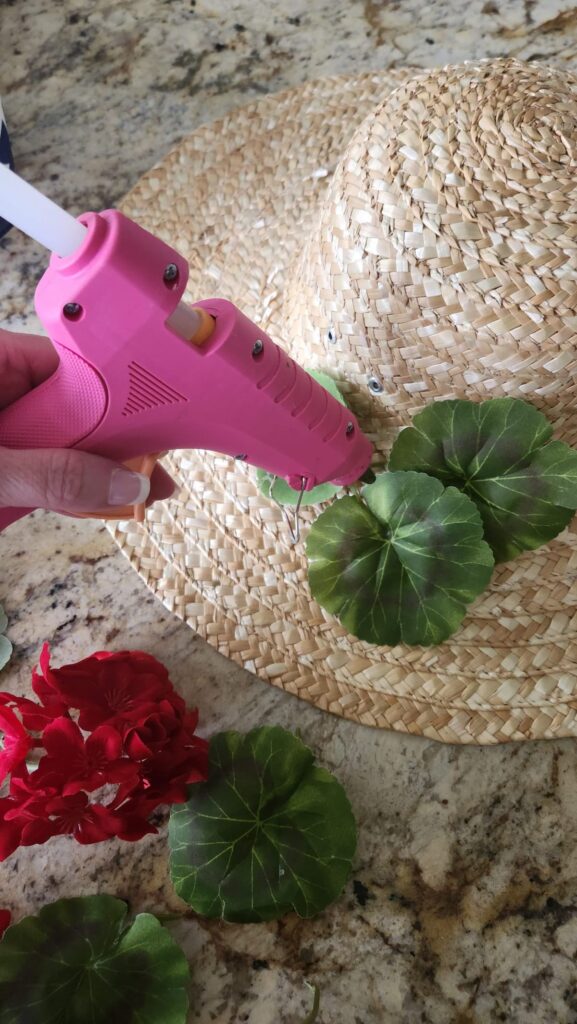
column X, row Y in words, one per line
column 45, row 781
column 25, row 785
column 98, row 823
column 123, row 773
column 10, row 832
column 15, row 742
column 63, row 739
column 37, row 831
column 10, row 836
column 44, row 660
column 135, row 746
column 127, row 788
column 199, row 771
column 71, row 815
column 29, row 808
column 105, row 744
column 44, row 686
column 191, row 720
column 134, row 829
column 135, row 814
column 34, row 716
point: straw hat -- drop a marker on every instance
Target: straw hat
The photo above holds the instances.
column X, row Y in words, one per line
column 415, row 236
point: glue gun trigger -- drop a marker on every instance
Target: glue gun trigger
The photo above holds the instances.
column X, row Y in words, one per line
column 144, row 464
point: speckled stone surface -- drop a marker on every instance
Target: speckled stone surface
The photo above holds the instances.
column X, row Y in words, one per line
column 463, row 904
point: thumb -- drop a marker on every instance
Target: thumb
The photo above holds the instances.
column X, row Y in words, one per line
column 66, row 481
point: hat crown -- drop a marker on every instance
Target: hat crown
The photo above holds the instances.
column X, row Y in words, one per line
column 444, row 257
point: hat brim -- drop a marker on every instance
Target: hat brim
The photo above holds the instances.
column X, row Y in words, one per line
column 236, row 198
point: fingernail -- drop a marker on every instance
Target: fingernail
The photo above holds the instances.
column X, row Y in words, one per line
column 128, row 488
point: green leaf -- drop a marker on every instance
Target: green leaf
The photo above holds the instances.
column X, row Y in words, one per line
column 5, row 651
column 269, row 832
column 402, row 565
column 500, row 453
column 278, row 489
column 5, row 645
column 77, row 962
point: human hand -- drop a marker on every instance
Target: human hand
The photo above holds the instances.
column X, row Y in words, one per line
column 62, row 480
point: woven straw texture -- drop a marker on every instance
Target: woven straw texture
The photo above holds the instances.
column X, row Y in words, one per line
column 414, row 232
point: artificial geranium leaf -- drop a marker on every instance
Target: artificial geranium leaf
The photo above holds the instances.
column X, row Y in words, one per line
column 5, row 645
column 328, row 384
column 278, row 489
column 500, row 453
column 269, row 832
column 402, row 565
column 78, row 961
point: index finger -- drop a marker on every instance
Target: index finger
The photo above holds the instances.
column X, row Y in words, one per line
column 25, row 361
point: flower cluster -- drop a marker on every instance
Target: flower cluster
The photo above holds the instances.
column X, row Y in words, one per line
column 116, row 741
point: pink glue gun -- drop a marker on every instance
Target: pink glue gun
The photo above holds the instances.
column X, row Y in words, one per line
column 140, row 372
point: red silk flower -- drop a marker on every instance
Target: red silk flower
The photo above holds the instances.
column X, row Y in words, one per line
column 117, row 741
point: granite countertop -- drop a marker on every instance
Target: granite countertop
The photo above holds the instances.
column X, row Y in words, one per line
column 463, row 904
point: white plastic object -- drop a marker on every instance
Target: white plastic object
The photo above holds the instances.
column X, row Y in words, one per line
column 27, row 209
column 184, row 321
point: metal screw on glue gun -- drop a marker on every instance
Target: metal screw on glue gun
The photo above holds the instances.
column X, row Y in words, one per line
column 375, row 386
column 350, row 429
column 170, row 274
column 257, row 348
column 72, row 310
column 368, row 477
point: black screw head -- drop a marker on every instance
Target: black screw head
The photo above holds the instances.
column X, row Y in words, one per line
column 368, row 477
column 257, row 348
column 171, row 274
column 350, row 429
column 72, row 310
